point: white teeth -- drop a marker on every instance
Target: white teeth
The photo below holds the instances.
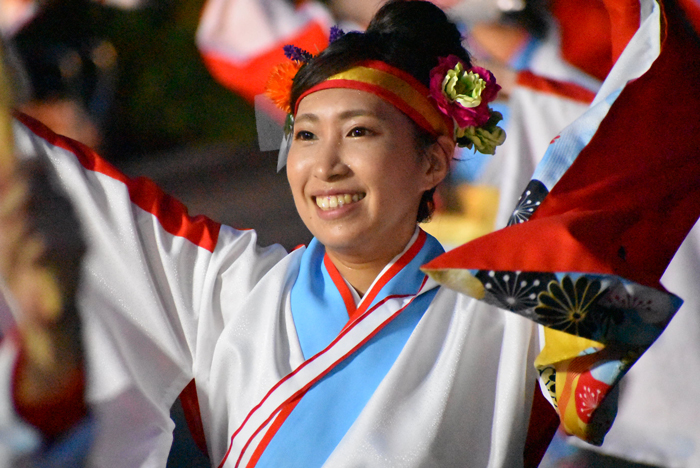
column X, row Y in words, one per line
column 336, row 201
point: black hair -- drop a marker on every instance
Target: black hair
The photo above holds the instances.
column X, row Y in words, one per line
column 407, row 34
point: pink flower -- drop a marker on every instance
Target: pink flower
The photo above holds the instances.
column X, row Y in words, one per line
column 463, row 94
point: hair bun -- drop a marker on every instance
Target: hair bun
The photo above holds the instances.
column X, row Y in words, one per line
column 416, row 33
column 407, row 34
column 404, row 18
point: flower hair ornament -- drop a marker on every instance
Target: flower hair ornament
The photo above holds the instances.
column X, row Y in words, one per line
column 455, row 105
column 279, row 90
column 463, row 94
column 279, row 85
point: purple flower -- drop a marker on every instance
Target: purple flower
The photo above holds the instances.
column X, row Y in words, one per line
column 293, row 52
column 336, row 33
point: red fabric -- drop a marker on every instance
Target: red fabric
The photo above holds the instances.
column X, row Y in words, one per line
column 342, row 286
column 585, row 35
column 559, row 88
column 190, row 406
column 595, row 32
column 692, row 13
column 56, row 415
column 544, row 422
column 248, row 78
column 625, row 18
column 629, row 199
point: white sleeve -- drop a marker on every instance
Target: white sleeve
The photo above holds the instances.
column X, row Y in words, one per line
column 152, row 274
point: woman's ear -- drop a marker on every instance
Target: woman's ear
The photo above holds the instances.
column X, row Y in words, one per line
column 439, row 158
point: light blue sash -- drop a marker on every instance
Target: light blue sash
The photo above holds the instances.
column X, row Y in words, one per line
column 326, row 412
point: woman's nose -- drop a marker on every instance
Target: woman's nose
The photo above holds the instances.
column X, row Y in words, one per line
column 329, row 162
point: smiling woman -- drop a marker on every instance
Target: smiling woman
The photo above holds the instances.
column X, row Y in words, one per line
column 370, row 131
column 352, row 145
column 340, row 353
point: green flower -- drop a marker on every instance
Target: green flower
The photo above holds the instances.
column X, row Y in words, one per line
column 463, row 87
column 464, row 95
column 484, row 139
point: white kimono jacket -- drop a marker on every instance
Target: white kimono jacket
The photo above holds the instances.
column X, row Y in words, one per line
column 289, row 370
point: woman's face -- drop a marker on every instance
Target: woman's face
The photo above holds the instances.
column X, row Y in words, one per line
column 356, row 173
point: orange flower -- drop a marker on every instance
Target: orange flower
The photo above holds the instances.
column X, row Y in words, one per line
column 279, row 85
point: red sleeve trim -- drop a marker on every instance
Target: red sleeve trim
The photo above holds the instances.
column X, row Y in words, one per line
column 560, row 88
column 144, row 193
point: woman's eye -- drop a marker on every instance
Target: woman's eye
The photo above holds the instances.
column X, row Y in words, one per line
column 359, row 132
column 304, row 135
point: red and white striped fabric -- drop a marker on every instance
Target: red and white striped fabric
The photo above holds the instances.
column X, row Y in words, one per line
column 241, row 40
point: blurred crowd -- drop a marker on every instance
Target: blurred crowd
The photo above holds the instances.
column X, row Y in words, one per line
column 550, row 57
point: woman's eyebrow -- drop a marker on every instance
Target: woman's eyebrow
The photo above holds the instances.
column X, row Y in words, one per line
column 306, row 117
column 345, row 115
column 349, row 114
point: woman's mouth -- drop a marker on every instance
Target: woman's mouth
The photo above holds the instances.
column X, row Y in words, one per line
column 331, row 202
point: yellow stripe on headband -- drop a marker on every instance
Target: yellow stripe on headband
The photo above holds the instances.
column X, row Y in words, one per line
column 402, row 94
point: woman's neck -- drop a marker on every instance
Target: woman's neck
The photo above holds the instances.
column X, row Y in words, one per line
column 360, row 275
column 361, row 271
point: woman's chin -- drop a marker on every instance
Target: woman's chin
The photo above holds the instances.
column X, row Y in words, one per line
column 344, row 243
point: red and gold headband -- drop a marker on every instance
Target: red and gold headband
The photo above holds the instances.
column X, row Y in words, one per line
column 394, row 86
column 455, row 105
